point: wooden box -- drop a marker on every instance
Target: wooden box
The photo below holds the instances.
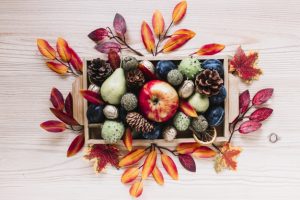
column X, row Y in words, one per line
column 230, row 105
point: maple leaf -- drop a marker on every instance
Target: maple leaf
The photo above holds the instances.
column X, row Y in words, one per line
column 227, row 159
column 245, row 65
column 102, row 154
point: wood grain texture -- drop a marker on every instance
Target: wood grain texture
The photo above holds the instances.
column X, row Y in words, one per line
column 33, row 164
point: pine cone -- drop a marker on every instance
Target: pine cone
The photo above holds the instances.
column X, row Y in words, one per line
column 208, row 82
column 138, row 122
column 135, row 78
column 98, row 71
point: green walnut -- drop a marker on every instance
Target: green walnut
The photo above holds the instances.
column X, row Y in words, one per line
column 199, row 102
column 181, row 121
column 112, row 131
column 190, row 67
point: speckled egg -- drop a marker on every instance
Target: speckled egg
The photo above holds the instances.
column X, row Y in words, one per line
column 218, row 98
column 95, row 114
column 112, row 131
column 199, row 102
column 199, row 124
column 111, row 112
column 215, row 116
column 190, row 67
column 186, row 89
column 163, row 67
column 169, row 134
column 181, row 121
column 214, row 64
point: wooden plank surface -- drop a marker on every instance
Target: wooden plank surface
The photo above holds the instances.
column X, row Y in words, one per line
column 33, row 164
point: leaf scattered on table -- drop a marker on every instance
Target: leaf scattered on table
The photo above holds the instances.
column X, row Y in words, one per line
column 132, row 157
column 179, row 12
column 98, row 34
column 158, row 23
column 57, row 99
column 169, row 166
column 105, row 47
column 75, row 61
column 127, row 139
column 149, row 164
column 53, row 126
column 46, row 49
column 130, row 175
column 76, row 145
column 204, row 152
column 244, row 101
column 64, row 117
column 158, row 176
column 262, row 96
column 184, row 32
column 261, row 114
column 210, row 49
column 119, row 24
column 187, row 109
column 136, row 189
column 249, row 126
column 114, row 59
column 57, row 67
column 92, row 97
column 187, row 162
column 147, row 37
column 245, row 65
column 187, row 147
column 176, row 42
column 69, row 104
column 63, row 49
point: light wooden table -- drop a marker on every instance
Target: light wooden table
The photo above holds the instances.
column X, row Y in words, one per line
column 33, row 164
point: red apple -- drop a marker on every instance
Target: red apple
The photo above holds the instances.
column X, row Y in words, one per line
column 158, row 101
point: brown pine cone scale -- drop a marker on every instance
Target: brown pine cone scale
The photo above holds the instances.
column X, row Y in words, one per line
column 138, row 122
column 135, row 78
column 98, row 71
column 208, row 82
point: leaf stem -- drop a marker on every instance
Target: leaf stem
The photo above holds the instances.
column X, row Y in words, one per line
column 160, row 39
column 216, row 147
column 165, row 148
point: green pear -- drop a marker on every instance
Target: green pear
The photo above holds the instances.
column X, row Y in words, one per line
column 114, row 87
column 199, row 102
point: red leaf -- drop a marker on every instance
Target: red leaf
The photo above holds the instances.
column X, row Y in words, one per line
column 64, row 117
column 262, row 96
column 261, row 114
column 187, row 162
column 57, row 99
column 76, row 145
column 75, row 61
column 69, row 105
column 114, row 59
column 119, row 24
column 91, row 96
column 53, row 126
column 244, row 101
column 249, row 126
column 105, row 47
column 98, row 34
column 245, row 65
column 210, row 49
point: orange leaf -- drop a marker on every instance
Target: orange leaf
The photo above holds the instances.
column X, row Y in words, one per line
column 204, row 152
column 75, row 61
column 157, row 175
column 187, row 109
column 76, row 145
column 187, row 148
column 136, row 189
column 130, row 174
column 158, row 23
column 175, row 42
column 184, row 32
column 127, row 139
column 132, row 157
column 147, row 37
column 57, row 67
column 149, row 164
column 63, row 49
column 45, row 49
column 169, row 166
column 53, row 126
column 210, row 49
column 179, row 12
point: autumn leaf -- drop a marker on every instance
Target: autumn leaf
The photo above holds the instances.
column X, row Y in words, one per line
column 209, row 49
column 249, row 126
column 119, row 24
column 147, row 37
column 114, row 59
column 149, row 164
column 106, row 47
column 204, row 152
column 187, row 148
column 179, row 12
column 127, row 139
column 75, row 61
column 176, row 42
column 69, row 104
column 57, row 99
column 132, row 157
column 169, row 166
column 101, row 155
column 76, row 145
column 245, row 65
column 98, row 34
column 244, row 101
column 158, row 176
column 261, row 114
column 130, row 174
column 262, row 96
column 158, row 23
column 227, row 159
column 136, row 189
column 57, row 67
column 187, row 162
column 184, row 32
column 63, row 49
column 46, row 49
column 91, row 97
column 53, row 126
column 64, row 117
column 187, row 109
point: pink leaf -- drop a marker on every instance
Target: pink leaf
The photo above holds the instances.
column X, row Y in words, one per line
column 53, row 126
column 261, row 114
column 187, row 162
column 69, row 105
column 119, row 24
column 244, row 101
column 57, row 99
column 262, row 96
column 98, row 34
column 105, row 47
column 249, row 126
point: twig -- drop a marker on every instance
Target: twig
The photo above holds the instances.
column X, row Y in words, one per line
column 160, row 39
column 216, row 147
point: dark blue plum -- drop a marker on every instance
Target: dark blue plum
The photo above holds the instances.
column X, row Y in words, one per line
column 163, row 67
column 153, row 134
column 214, row 64
column 215, row 116
column 95, row 114
column 219, row 98
column 122, row 113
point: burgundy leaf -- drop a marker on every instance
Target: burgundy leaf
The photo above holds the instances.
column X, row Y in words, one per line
column 105, row 47
column 119, row 24
column 91, row 97
column 244, row 101
column 69, row 104
column 187, row 162
column 98, row 34
column 261, row 114
column 57, row 99
column 53, row 126
column 64, row 117
column 249, row 126
column 75, row 61
column 262, row 96
column 76, row 145
column 114, row 59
